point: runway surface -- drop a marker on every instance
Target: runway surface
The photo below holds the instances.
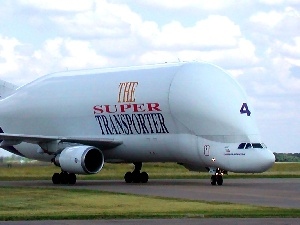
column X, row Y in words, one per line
column 284, row 193
column 226, row 221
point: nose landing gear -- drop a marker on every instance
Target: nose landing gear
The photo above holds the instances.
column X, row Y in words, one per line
column 217, row 177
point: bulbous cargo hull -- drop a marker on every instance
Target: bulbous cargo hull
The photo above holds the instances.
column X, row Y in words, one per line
column 194, row 114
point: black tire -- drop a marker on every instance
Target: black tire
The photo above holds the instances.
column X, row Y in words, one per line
column 136, row 177
column 128, row 177
column 219, row 180
column 144, row 177
column 64, row 178
column 56, row 178
column 213, row 180
column 72, row 178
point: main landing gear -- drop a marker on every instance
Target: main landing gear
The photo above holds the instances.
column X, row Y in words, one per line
column 217, row 178
column 136, row 176
column 64, row 178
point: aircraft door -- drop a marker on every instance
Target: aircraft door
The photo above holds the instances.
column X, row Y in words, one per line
column 204, row 150
column 213, row 154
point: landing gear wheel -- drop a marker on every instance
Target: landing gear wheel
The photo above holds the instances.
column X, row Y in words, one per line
column 128, row 177
column 219, row 180
column 64, row 178
column 213, row 180
column 56, row 178
column 144, row 177
column 217, row 177
column 136, row 176
column 72, row 178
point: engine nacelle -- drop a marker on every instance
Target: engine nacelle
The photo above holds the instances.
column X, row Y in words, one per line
column 80, row 160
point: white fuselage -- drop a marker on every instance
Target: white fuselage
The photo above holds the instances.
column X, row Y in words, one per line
column 189, row 113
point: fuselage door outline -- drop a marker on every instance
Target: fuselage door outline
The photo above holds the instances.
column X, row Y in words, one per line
column 206, row 149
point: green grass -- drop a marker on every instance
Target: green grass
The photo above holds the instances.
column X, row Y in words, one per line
column 57, row 203
column 49, row 203
column 155, row 170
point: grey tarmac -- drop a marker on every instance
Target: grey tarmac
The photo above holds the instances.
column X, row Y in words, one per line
column 283, row 193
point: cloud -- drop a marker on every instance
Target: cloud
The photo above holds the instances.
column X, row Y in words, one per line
column 80, row 54
column 106, row 20
column 295, row 71
column 64, row 54
column 213, row 32
column 292, row 50
column 270, row 19
column 279, row 2
column 276, row 35
column 114, row 30
column 110, row 34
column 9, row 55
column 57, row 5
column 235, row 59
column 55, row 55
column 95, row 34
column 277, row 23
column 257, row 42
column 282, row 69
column 200, row 4
column 16, row 65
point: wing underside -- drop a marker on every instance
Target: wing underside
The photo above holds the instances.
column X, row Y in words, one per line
column 8, row 140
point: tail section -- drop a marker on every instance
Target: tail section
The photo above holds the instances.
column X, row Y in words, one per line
column 6, row 89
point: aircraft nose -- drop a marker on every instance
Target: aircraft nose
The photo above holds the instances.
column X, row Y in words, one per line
column 269, row 159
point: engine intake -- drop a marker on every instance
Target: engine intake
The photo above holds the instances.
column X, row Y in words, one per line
column 80, row 160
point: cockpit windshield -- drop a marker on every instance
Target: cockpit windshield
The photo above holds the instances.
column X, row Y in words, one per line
column 251, row 145
column 257, row 145
column 248, row 145
column 242, row 146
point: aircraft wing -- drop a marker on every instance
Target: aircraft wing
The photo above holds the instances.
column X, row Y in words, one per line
column 14, row 139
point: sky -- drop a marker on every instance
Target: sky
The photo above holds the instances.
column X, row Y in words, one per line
column 256, row 41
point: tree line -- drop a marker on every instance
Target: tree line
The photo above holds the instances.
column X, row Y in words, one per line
column 287, row 157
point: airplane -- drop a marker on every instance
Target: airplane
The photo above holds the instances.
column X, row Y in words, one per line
column 6, row 88
column 191, row 113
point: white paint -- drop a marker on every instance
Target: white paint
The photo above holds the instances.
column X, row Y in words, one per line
column 174, row 111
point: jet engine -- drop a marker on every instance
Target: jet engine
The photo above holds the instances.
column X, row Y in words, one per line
column 80, row 160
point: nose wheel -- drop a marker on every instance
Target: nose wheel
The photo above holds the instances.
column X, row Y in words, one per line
column 136, row 176
column 217, row 177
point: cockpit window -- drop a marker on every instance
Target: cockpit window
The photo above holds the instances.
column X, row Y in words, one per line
column 248, row 145
column 257, row 145
column 242, row 146
column 251, row 145
column 264, row 146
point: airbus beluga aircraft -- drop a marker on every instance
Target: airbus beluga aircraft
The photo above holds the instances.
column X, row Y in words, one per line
column 191, row 113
